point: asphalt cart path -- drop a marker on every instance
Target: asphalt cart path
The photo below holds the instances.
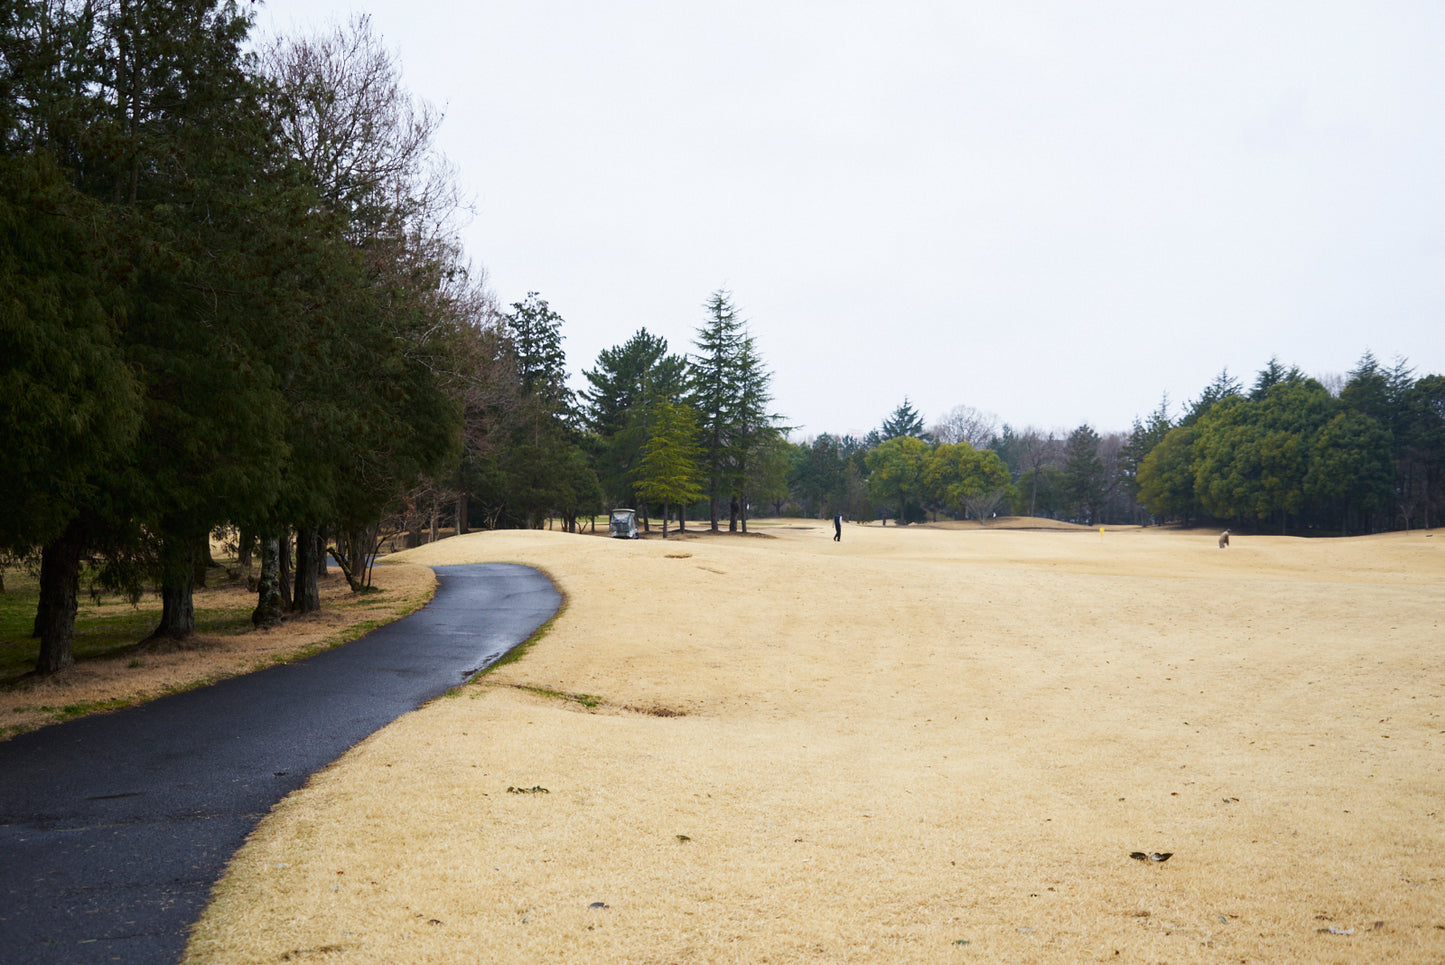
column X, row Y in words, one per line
column 114, row 828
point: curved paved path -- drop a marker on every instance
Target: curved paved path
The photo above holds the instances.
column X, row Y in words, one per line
column 114, row 828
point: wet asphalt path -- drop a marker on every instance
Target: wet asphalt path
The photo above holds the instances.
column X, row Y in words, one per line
column 114, row 828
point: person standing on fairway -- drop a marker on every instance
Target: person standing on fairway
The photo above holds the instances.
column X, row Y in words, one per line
column 838, row 528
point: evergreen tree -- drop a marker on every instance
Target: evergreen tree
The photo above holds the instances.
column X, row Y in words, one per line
column 1083, row 474
column 819, row 477
column 714, row 390
column 1224, row 386
column 536, row 334
column 627, row 380
column 149, row 111
column 1252, row 457
column 1350, row 469
column 669, row 472
column 755, row 431
column 1271, row 375
column 1166, row 476
column 379, row 301
column 905, row 421
column 1422, row 452
column 71, row 402
column 1144, row 436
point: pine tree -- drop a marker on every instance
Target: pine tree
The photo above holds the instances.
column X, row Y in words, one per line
column 905, row 421
column 729, row 391
column 623, row 386
column 714, row 393
column 668, row 471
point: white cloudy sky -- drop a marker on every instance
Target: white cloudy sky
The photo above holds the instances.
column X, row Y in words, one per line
column 1049, row 210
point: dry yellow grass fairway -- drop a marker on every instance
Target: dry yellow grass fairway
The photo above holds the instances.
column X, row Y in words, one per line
column 918, row 745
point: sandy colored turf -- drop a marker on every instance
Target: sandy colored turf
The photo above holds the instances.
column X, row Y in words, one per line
column 150, row 670
column 918, row 745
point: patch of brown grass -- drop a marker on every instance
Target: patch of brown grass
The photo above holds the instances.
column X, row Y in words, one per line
column 916, row 745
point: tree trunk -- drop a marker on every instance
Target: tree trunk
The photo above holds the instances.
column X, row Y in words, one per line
column 59, row 588
column 283, row 569
column 269, row 606
column 203, row 561
column 665, row 510
column 244, row 539
column 180, row 561
column 462, row 509
column 307, row 596
column 353, row 552
column 245, row 543
column 178, row 606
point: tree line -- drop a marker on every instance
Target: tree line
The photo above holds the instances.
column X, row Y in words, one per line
column 233, row 302
column 1285, row 455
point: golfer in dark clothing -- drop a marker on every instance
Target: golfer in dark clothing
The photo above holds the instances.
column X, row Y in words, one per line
column 838, row 528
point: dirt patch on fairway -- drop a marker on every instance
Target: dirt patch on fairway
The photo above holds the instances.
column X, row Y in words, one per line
column 918, row 744
column 153, row 669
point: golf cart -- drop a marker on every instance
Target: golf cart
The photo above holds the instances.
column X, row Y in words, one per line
column 623, row 524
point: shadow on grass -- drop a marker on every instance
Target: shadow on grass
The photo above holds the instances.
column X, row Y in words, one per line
column 107, row 626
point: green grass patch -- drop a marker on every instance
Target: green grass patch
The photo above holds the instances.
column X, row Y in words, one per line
column 107, row 626
column 586, row 700
column 520, row 650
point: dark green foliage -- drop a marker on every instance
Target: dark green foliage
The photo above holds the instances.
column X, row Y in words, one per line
column 1252, row 456
column 536, row 333
column 72, row 402
column 896, row 471
column 1420, row 447
column 540, row 469
column 1350, row 469
column 192, row 333
column 1143, row 439
column 904, row 421
column 965, row 481
column 1290, row 454
column 627, row 383
column 1166, row 477
column 818, row 478
column 714, row 389
column 729, row 394
column 1085, row 483
column 669, row 472
column 1223, row 387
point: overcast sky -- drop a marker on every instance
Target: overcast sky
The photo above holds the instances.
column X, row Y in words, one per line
column 1055, row 212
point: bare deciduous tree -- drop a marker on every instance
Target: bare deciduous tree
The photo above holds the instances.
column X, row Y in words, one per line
column 964, row 423
column 365, row 141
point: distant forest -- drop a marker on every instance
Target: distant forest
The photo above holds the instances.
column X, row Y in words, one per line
column 1282, row 455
